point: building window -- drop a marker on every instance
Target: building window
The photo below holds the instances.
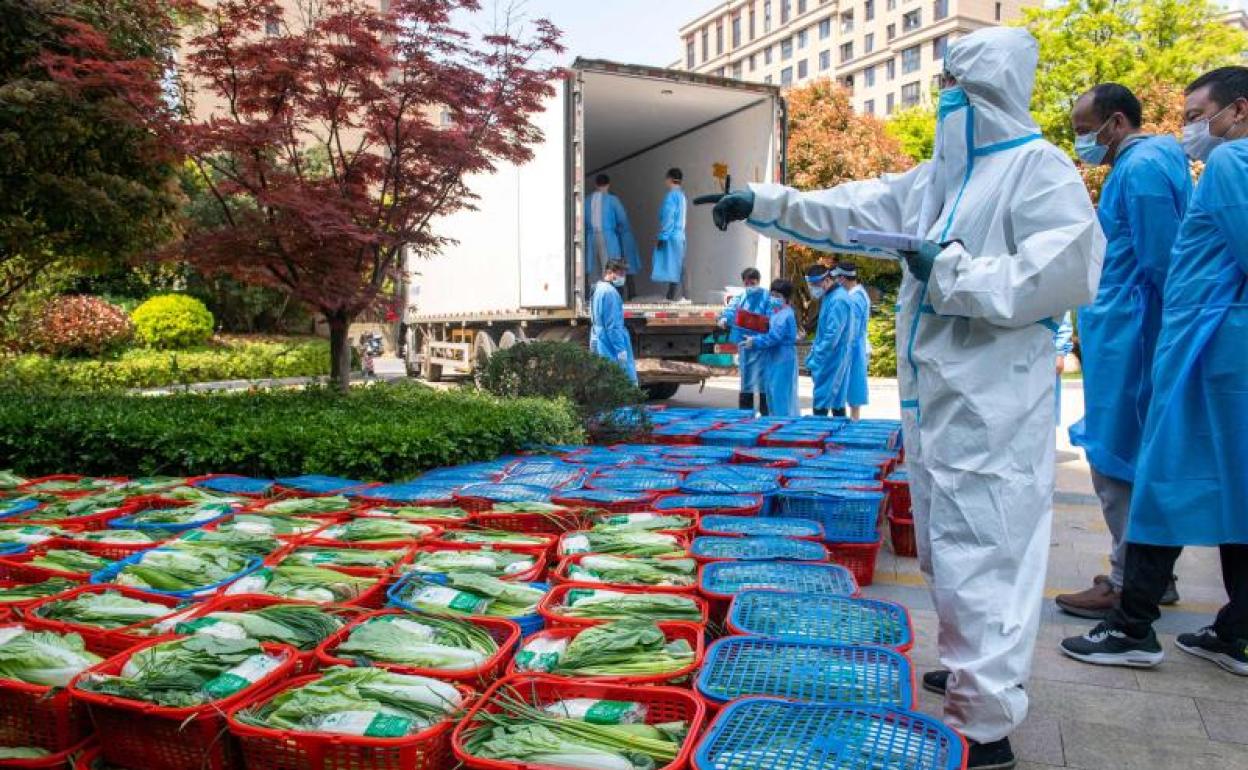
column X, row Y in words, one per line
column 784, row 11
column 752, row 27
column 801, row 7
column 940, row 9
column 891, row 32
column 910, row 95
column 847, row 51
column 736, row 31
column 766, row 16
column 892, row 5
column 690, row 61
column 847, row 22
column 910, row 59
column 998, row 12
column 911, row 20
column 767, row 80
column 868, row 10
column 786, row 49
column 868, row 43
column 738, row 69
column 825, row 60
column 939, row 46
column 753, row 62
column 786, row 76
column 825, row 29
column 890, row 69
column 868, row 107
column 706, row 43
column 767, row 54
column 719, row 38
column 802, row 70
column 801, row 39
column 888, row 104
column 868, row 77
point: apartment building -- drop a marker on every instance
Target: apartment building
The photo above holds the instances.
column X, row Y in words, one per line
column 888, row 53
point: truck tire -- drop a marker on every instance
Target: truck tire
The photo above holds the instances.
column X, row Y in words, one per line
column 511, row 338
column 483, row 346
column 660, row 391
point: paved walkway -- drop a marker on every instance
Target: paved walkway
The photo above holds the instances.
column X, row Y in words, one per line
column 1184, row 715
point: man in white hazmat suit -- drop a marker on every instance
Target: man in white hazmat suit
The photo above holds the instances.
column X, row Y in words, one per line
column 975, row 358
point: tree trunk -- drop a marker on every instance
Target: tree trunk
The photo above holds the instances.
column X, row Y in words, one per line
column 339, row 351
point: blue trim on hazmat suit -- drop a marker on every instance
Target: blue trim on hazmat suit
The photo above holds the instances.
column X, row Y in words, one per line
column 1192, row 478
column 669, row 256
column 828, row 360
column 1141, row 206
column 616, row 234
column 778, row 360
column 608, row 337
column 755, row 299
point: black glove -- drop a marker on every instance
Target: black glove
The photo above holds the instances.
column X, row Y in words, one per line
column 733, row 207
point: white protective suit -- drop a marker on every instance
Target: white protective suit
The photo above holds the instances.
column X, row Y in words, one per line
column 975, row 357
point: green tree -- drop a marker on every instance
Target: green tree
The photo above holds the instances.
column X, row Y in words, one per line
column 915, row 129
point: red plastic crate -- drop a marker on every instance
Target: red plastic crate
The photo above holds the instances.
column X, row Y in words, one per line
column 280, row 555
column 62, row 760
column 672, row 631
column 368, row 511
column 115, row 551
column 559, row 576
column 505, row 633
column 626, row 506
column 901, row 535
column 90, row 759
column 682, row 541
column 318, row 540
column 144, row 735
column 17, row 567
column 663, row 704
column 858, row 558
column 549, row 606
column 112, row 641
column 898, row 498
column 800, row 443
column 552, row 523
column 268, row 749
column 531, row 575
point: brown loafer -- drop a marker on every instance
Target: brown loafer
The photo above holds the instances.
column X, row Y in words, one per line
column 1093, row 604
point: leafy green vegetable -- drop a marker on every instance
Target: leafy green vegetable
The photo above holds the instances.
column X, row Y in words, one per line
column 57, row 509
column 375, row 531
column 421, row 641
column 191, row 514
column 344, row 557
column 114, row 536
column 66, row 560
column 315, row 584
column 422, row 512
column 42, row 657
column 615, row 605
column 309, row 505
column 471, row 593
column 85, row 484
column 269, row 525
column 492, row 537
column 182, row 569
column 28, row 535
column 301, row 625
column 483, row 560
column 595, row 568
column 29, row 591
column 10, row 480
column 624, row 648
column 107, row 609
column 532, row 507
column 22, row 752
column 624, row 543
column 239, row 542
column 640, row 522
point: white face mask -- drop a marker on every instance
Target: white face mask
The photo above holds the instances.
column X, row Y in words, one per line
column 1198, row 143
column 816, row 292
column 619, row 281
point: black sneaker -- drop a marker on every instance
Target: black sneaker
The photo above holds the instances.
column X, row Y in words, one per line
column 936, row 681
column 1107, row 646
column 990, row 756
column 1171, row 596
column 1206, row 644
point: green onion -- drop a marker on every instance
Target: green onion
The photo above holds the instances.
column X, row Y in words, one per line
column 601, row 568
column 626, row 543
column 375, row 531
column 344, row 557
column 65, row 560
column 107, row 609
column 309, row 505
column 484, row 560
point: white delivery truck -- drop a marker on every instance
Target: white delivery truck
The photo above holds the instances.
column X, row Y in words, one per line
column 516, row 268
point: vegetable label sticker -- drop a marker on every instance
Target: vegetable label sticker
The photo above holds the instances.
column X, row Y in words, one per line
column 366, row 723
column 441, row 596
column 246, row 673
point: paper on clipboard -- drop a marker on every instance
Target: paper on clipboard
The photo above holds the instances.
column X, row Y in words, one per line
column 879, row 239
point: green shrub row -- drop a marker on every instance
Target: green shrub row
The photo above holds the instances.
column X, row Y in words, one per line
column 379, row 432
column 157, row 368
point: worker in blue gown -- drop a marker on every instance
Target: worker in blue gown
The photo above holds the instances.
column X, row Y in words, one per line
column 1191, row 480
column 856, row 390
column 608, row 236
column 1142, row 204
column 669, row 251
column 608, row 336
column 757, row 300
column 829, row 359
column 778, row 362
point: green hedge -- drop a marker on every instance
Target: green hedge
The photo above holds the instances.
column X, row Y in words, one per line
column 235, row 360
column 379, row 432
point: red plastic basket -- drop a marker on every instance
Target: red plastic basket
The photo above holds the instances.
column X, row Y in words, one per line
column 898, row 498
column 799, row 443
column 858, row 558
column 505, row 633
column 688, row 513
column 531, row 575
column 672, row 631
column 18, row 568
column 110, row 641
column 144, row 735
column 61, row 760
column 368, row 511
column 682, row 541
column 663, row 704
column 269, row 749
column 549, row 606
column 373, row 597
column 259, row 505
column 31, row 485
column 559, row 576
column 277, row 557
column 318, row 540
column 753, row 509
column 901, row 535
column 546, row 547
column 755, row 322
column 89, row 759
column 44, row 717
column 115, row 551
column 625, row 506
column 552, row 523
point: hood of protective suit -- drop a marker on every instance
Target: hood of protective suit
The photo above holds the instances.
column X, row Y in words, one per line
column 997, row 69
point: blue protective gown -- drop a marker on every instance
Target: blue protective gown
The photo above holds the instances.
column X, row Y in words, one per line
column 1063, row 343
column 860, row 350
column 669, row 258
column 829, row 357
column 778, row 361
column 608, row 336
column 1192, row 477
column 1142, row 203
column 758, row 300
column 615, row 234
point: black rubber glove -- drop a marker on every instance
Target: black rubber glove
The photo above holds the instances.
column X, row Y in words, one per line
column 733, row 207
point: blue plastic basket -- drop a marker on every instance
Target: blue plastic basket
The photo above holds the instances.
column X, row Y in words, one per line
column 603, row 497
column 818, row 672
column 635, row 480
column 505, row 493
column 236, row 485
column 605, row 456
column 312, row 484
column 776, row 526
column 719, row 453
column 8, row 549
column 710, row 504
column 15, row 507
column 565, row 478
column 726, row 578
column 730, row 437
column 107, row 574
column 723, row 481
column 128, row 522
column 411, row 492
column 772, row 454
column 529, row 624
column 776, row 734
column 847, row 516
column 756, row 548
column 847, row 471
column 832, row 484
column 821, row 618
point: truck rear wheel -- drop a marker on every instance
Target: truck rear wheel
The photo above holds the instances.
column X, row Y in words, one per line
column 660, row 391
column 483, row 346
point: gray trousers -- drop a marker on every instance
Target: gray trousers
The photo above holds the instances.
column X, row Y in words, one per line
column 1115, row 496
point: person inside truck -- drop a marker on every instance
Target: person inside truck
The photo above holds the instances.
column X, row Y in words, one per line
column 828, row 361
column 608, row 336
column 669, row 250
column 756, row 302
column 608, row 236
column 777, row 351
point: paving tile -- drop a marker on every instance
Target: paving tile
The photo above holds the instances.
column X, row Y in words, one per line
column 1107, row 747
column 1224, row 721
column 1039, row 739
column 1034, row 766
column 1202, row 680
column 1050, row 664
column 1152, row 713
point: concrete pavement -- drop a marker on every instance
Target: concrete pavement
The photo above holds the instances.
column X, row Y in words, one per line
column 1184, row 715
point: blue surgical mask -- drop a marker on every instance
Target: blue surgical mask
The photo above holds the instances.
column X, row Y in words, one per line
column 952, row 99
column 619, row 281
column 1088, row 149
column 816, row 292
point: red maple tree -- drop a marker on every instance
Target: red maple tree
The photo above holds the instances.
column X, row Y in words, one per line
column 332, row 137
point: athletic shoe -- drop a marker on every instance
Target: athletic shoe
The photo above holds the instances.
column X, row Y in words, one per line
column 1107, row 646
column 936, row 681
column 1206, row 644
column 990, row 756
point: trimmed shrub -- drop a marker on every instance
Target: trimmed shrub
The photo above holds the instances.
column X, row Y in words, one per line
column 143, row 368
column 882, row 334
column 172, row 321
column 80, row 326
column 377, row 432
